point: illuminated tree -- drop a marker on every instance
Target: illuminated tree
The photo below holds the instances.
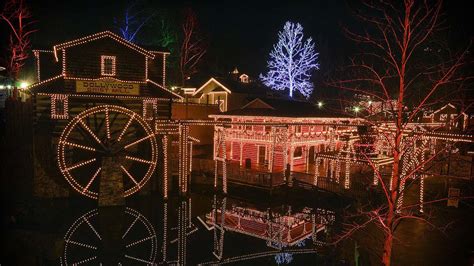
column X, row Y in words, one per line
column 398, row 69
column 167, row 36
column 291, row 62
column 18, row 17
column 132, row 22
column 193, row 46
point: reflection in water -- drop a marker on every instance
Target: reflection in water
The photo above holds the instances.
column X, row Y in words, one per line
column 112, row 236
column 215, row 230
column 282, row 229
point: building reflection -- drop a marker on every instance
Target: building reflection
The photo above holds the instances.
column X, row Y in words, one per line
column 283, row 229
column 207, row 232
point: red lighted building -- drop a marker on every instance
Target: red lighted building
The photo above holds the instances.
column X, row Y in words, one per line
column 263, row 138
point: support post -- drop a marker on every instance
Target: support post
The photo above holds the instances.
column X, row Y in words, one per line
column 182, row 232
column 224, row 162
column 184, row 158
column 241, row 147
column 285, row 150
column 307, row 158
column 214, row 156
column 165, row 231
column 166, row 172
column 422, row 181
column 317, row 161
column 272, row 149
column 347, row 180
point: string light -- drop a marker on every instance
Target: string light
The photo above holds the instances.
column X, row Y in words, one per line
column 37, row 61
column 165, row 166
column 146, row 68
column 84, row 224
column 154, row 108
column 63, row 66
column 160, row 86
column 115, row 97
column 78, row 121
column 100, row 35
column 59, row 113
column 104, row 71
column 108, row 78
column 164, row 70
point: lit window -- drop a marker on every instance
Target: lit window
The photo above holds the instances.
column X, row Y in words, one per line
column 59, row 107
column 221, row 104
column 298, row 153
column 107, row 65
column 297, row 129
column 443, row 117
column 244, row 78
column 149, row 109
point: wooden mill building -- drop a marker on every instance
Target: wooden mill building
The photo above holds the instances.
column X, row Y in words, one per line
column 94, row 96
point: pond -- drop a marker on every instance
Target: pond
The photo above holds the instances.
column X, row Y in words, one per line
column 203, row 228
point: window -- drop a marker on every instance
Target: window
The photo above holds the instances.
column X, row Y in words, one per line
column 262, row 155
column 59, row 107
column 107, row 65
column 298, row 153
column 268, row 129
column 248, row 128
column 221, row 104
column 297, row 129
column 149, row 109
column 244, row 78
column 443, row 117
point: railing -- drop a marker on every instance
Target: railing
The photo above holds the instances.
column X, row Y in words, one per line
column 306, row 180
column 248, row 135
column 267, row 137
column 265, row 179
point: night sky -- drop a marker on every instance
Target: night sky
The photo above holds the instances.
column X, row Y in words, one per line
column 240, row 33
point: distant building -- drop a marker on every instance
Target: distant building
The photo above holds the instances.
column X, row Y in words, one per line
column 449, row 115
column 229, row 92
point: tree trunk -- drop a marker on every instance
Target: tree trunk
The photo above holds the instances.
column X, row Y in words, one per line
column 387, row 249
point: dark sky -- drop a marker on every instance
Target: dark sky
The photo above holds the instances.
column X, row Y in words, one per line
column 241, row 33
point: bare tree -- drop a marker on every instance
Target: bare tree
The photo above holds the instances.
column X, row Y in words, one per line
column 133, row 20
column 193, row 46
column 398, row 69
column 18, row 17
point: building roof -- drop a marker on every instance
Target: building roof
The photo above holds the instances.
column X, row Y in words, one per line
column 100, row 35
column 228, row 83
column 282, row 108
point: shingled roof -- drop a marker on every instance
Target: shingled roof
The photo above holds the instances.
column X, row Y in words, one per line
column 283, row 108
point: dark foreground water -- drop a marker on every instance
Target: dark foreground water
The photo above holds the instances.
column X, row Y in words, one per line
column 149, row 230
column 244, row 228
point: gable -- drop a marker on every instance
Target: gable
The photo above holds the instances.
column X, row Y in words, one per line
column 102, row 35
column 211, row 85
column 448, row 108
column 257, row 104
column 84, row 61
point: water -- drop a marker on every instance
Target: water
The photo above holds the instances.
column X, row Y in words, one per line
column 257, row 229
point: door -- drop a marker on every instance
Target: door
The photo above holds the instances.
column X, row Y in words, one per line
column 311, row 155
column 262, row 151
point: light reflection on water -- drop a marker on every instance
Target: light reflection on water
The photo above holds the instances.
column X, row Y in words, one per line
column 201, row 229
